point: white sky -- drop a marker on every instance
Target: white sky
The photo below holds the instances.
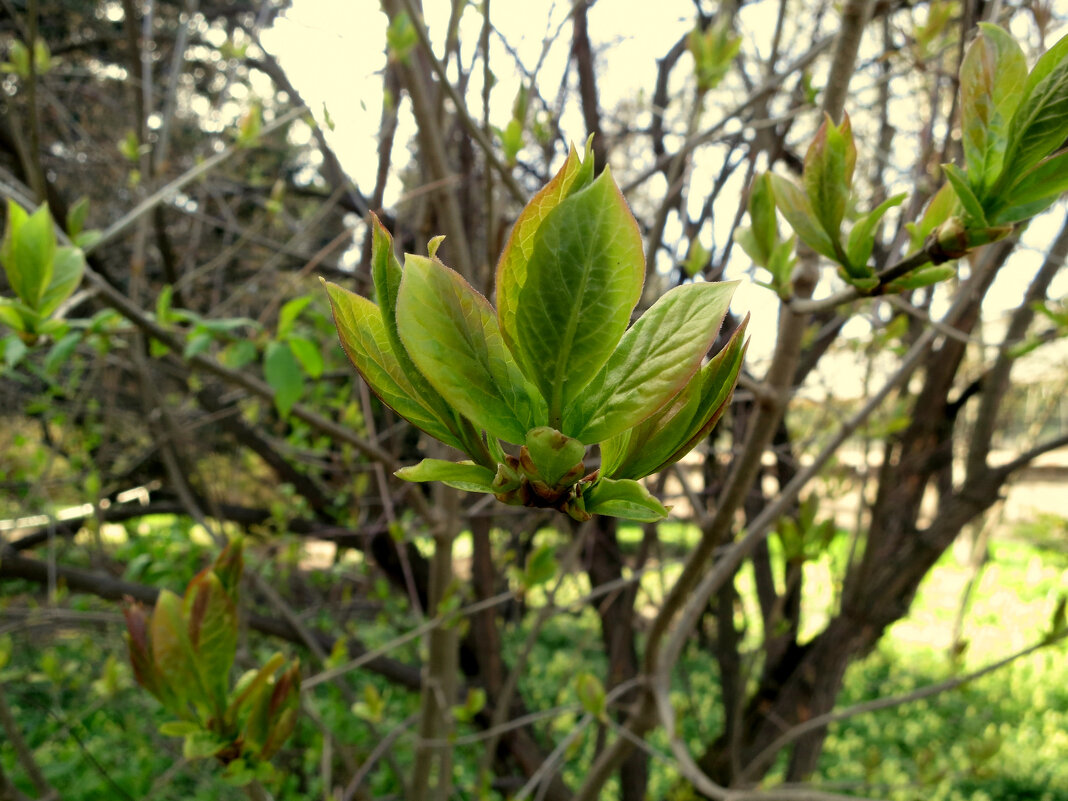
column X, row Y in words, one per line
column 333, row 52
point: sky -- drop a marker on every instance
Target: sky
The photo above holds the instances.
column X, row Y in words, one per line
column 333, row 52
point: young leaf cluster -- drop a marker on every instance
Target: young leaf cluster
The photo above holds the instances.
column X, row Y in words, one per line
column 525, row 387
column 816, row 208
column 42, row 274
column 1013, row 126
column 183, row 653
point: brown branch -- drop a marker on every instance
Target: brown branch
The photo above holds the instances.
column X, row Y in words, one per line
column 582, row 52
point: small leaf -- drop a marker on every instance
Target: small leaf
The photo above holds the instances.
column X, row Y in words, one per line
column 212, row 633
column 308, row 354
column 283, row 373
column 364, row 338
column 178, row 728
column 554, row 455
column 1032, row 192
column 172, row 653
column 288, row 314
column 992, row 76
column 795, row 207
column 939, row 209
column 925, row 277
column 451, row 333
column 972, row 207
column 541, row 567
column 654, row 360
column 512, row 266
column 68, row 267
column 584, row 277
column 674, row 430
column 623, row 498
column 590, row 693
column 828, row 173
column 433, row 245
column 862, row 237
column 762, row 215
column 460, row 475
column 1040, row 124
column 76, row 216
column 28, row 252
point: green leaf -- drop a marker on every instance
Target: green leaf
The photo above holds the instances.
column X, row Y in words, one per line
column 939, row 209
column 992, row 76
column 918, row 279
column 202, row 744
column 762, row 216
column 1040, row 124
column 828, row 173
column 283, row 374
column 308, row 354
column 17, row 315
column 654, row 360
column 1033, row 192
column 61, row 351
column 512, row 266
column 862, row 237
column 198, row 341
column 68, row 267
column 250, row 685
column 541, row 567
column 451, row 333
column 554, row 455
column 77, row 215
column 584, row 277
column 212, row 618
column 623, row 498
column 288, row 314
column 460, row 475
column 172, row 653
column 28, row 252
column 363, row 336
column 795, row 207
column 674, row 430
column 590, row 693
column 972, row 207
column 178, row 728
column 386, row 272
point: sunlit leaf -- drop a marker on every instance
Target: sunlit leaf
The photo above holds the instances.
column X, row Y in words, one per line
column 828, row 173
column 553, row 454
column 654, row 360
column 386, row 272
column 1033, row 192
column 674, row 430
column 461, row 475
column 452, row 335
column 584, row 277
column 972, row 207
column 364, row 339
column 862, row 237
column 624, row 498
column 992, row 76
column 512, row 265
column 795, row 207
column 1040, row 124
